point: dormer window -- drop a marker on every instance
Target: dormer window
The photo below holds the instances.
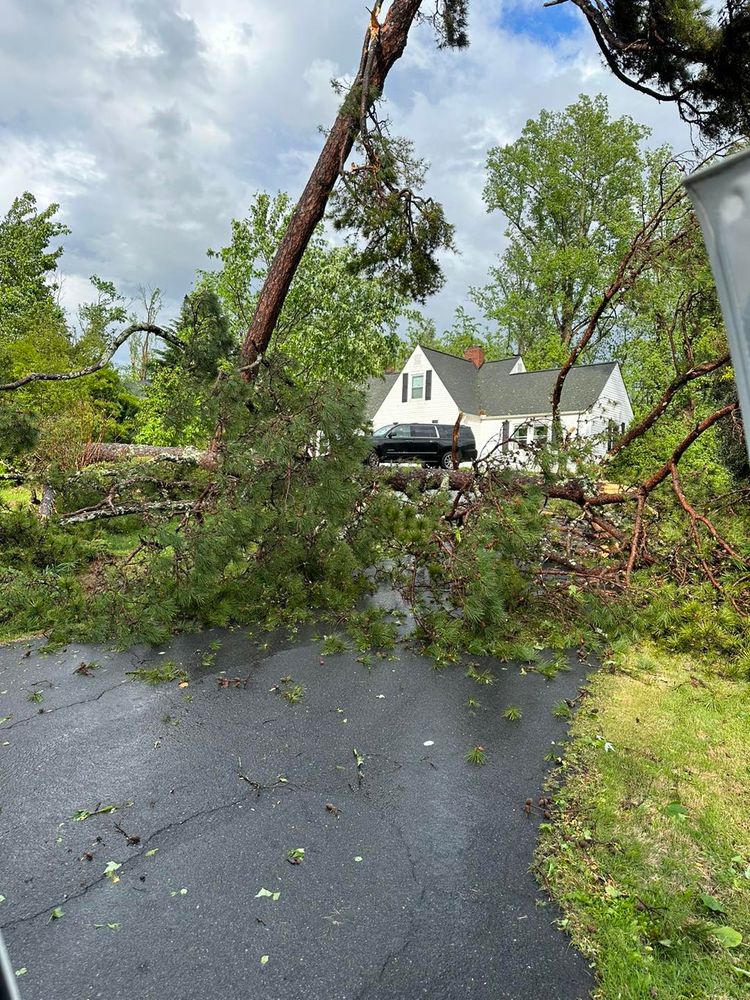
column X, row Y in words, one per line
column 417, row 386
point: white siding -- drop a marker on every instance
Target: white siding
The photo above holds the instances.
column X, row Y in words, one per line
column 613, row 404
column 440, row 407
column 491, row 434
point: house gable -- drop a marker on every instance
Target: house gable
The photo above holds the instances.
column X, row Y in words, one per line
column 441, row 407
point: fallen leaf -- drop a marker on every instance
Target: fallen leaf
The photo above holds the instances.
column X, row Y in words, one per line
column 358, row 858
column 152, row 852
column 727, row 936
column 676, row 810
column 22, row 972
column 109, row 871
column 81, row 814
column 183, row 684
column 56, row 914
column 263, row 960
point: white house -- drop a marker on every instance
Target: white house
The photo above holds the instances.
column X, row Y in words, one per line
column 505, row 405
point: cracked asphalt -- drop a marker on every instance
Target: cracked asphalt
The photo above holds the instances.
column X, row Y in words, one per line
column 416, row 884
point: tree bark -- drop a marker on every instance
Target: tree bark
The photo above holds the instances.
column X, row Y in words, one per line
column 170, row 507
column 158, row 331
column 389, row 41
column 103, row 451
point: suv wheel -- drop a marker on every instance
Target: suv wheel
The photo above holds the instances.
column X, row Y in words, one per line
column 446, row 460
column 373, row 459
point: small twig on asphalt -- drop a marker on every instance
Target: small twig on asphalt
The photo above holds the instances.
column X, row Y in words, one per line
column 256, row 785
column 132, row 839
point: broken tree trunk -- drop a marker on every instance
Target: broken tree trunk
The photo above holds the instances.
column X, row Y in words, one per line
column 384, row 44
column 103, row 451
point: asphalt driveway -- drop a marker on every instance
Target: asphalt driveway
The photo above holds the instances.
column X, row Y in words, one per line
column 415, row 879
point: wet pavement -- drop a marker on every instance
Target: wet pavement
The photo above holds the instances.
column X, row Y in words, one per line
column 415, row 880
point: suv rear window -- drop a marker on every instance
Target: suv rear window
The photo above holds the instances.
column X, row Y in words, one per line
column 464, row 432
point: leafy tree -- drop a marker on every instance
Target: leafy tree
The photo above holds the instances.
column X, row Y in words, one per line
column 27, row 262
column 180, row 405
column 336, row 323
column 571, row 190
column 96, row 319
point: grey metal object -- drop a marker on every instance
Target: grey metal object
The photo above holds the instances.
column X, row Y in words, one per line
column 8, row 988
column 721, row 196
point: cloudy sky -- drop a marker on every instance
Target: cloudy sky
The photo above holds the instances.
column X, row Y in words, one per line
column 153, row 122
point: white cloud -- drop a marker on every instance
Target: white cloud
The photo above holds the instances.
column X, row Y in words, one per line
column 154, row 124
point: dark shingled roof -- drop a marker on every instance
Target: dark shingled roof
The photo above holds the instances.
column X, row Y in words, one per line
column 491, row 389
column 460, row 377
column 377, row 389
column 531, row 392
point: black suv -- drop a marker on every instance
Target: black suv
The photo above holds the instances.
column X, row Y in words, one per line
column 427, row 443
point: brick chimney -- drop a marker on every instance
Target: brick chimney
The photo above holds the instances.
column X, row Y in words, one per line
column 475, row 355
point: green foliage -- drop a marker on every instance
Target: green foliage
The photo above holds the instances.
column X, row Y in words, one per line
column 512, row 713
column 160, row 673
column 333, row 644
column 26, row 542
column 451, row 19
column 19, row 431
column 26, row 261
column 570, row 190
column 293, row 693
column 477, row 755
column 49, row 422
column 684, row 51
column 479, row 676
column 402, row 231
column 181, row 405
column 464, row 582
column 697, row 622
column 372, row 629
column 335, row 324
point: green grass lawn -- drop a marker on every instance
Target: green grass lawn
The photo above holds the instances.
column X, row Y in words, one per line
column 650, row 854
column 15, row 496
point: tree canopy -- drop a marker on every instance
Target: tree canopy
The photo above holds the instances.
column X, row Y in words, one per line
column 682, row 51
column 571, row 191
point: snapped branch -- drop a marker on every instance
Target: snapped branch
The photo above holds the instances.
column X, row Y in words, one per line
column 97, row 365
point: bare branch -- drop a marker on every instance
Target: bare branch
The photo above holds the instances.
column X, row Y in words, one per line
column 661, row 474
column 98, row 365
column 669, row 393
column 123, row 510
